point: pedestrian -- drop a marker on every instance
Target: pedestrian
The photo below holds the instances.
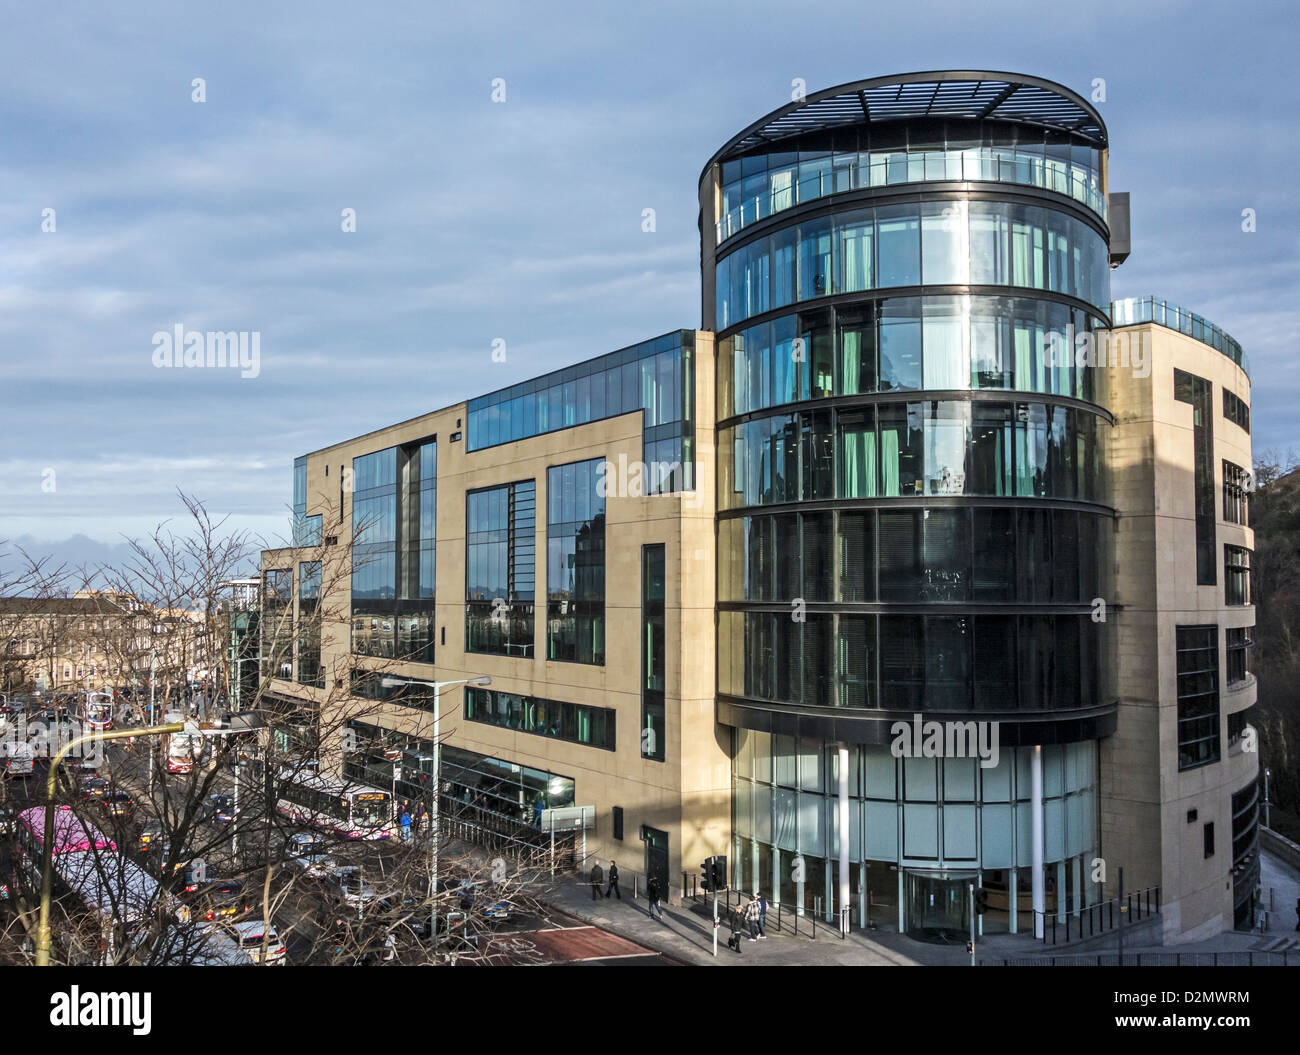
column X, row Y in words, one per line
column 653, row 892
column 538, row 807
column 752, row 912
column 597, row 878
column 406, row 826
column 762, row 914
column 421, row 818
column 613, row 881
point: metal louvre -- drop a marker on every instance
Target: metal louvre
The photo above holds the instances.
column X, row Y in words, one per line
column 951, row 94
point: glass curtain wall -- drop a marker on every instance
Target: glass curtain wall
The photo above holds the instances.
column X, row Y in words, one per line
column 575, row 577
column 500, row 577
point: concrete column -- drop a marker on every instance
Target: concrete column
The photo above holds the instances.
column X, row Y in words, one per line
column 1013, row 891
column 1061, row 905
column 1036, row 838
column 845, row 896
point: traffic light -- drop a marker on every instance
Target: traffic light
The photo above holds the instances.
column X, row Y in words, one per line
column 706, row 874
column 719, row 876
column 981, row 901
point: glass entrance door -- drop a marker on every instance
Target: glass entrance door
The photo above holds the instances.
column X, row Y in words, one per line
column 937, row 906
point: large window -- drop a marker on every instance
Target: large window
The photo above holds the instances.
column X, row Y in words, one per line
column 500, row 575
column 1241, row 647
column 1236, row 494
column 1236, row 410
column 907, row 343
column 277, row 623
column 654, row 667
column 1198, row 696
column 948, row 243
column 1188, row 388
column 574, row 723
column 310, row 671
column 897, row 450
column 575, row 562
column 1236, row 575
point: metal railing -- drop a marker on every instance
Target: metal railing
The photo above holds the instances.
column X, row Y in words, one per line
column 780, row 919
column 1133, row 310
column 1101, row 918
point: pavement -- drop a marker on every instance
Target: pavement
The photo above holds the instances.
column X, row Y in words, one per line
column 685, row 934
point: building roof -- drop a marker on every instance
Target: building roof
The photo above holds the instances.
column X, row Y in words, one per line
column 965, row 94
column 34, row 606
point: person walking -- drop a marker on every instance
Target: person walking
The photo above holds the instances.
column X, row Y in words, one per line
column 613, row 881
column 752, row 914
column 653, row 892
column 597, row 878
column 406, row 826
column 421, row 818
column 762, row 915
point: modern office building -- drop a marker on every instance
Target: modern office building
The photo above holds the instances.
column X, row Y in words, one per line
column 875, row 583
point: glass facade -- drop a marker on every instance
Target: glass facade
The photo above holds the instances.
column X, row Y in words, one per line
column 1193, row 390
column 654, row 669
column 933, row 244
column 500, row 569
column 277, row 623
column 1236, row 494
column 909, row 450
column 1235, row 410
column 574, row 723
column 306, row 530
column 765, row 183
column 1236, row 575
column 1198, row 696
column 656, row 377
column 919, row 815
column 575, row 562
column 394, row 532
column 938, row 342
column 309, row 671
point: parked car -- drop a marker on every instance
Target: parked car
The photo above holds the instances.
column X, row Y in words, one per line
column 348, row 884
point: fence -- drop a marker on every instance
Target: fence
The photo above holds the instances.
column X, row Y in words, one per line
column 781, row 919
column 1102, row 917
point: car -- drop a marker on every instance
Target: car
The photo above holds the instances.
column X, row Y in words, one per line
column 220, row 808
column 409, row 912
column 307, row 852
column 250, row 936
column 221, row 897
column 148, row 833
column 118, row 804
column 93, row 788
column 347, row 883
column 17, row 758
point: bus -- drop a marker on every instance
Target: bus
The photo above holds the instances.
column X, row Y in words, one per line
column 96, row 711
column 111, row 901
column 183, row 749
column 348, row 809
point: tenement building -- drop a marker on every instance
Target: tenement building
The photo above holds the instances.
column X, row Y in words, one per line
column 919, row 564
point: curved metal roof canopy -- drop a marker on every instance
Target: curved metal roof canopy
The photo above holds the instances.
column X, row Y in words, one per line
column 970, row 94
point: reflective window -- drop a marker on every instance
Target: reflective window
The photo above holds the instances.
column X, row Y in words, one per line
column 575, row 566
column 500, row 586
column 1198, row 696
column 573, row 723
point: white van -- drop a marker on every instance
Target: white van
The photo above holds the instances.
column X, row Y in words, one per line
column 17, row 758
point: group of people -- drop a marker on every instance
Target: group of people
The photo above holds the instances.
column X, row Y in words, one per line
column 412, row 820
column 598, row 878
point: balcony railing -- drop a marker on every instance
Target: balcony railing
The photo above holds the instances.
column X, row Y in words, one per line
column 1134, row 310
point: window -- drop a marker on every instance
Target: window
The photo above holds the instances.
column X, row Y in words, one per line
column 1236, row 494
column 1198, row 695
column 1241, row 647
column 1235, row 410
column 1209, row 839
column 573, row 723
column 653, row 659
column 310, row 671
column 277, row 623
column 500, row 578
column 1236, row 575
column 575, row 564
column 1188, row 388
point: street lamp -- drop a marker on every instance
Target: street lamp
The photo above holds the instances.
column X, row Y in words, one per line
column 245, row 722
column 437, row 686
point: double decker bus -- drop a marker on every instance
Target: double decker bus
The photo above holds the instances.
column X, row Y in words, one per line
column 109, row 902
column 348, row 809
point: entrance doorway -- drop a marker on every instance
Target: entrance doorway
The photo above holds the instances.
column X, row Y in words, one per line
column 656, row 858
column 937, row 906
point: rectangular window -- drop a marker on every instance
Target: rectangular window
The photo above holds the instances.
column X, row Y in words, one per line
column 1196, row 391
column 1241, row 647
column 653, row 658
column 574, row 723
column 1236, row 575
column 500, row 573
column 277, row 623
column 310, row 671
column 1198, row 696
column 1236, row 494
column 1209, row 839
column 575, row 563
column 1235, row 410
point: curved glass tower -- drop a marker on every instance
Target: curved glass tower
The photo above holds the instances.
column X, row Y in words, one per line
column 913, row 522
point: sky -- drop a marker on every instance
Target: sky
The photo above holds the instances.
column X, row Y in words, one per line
column 518, row 220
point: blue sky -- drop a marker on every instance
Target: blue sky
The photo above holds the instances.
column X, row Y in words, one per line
column 519, row 220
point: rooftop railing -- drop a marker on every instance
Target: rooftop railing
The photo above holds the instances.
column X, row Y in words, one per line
column 1134, row 310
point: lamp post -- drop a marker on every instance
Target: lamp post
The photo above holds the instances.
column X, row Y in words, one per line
column 437, row 686
column 240, row 723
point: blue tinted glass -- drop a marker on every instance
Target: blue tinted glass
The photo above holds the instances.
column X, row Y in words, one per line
column 898, row 240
